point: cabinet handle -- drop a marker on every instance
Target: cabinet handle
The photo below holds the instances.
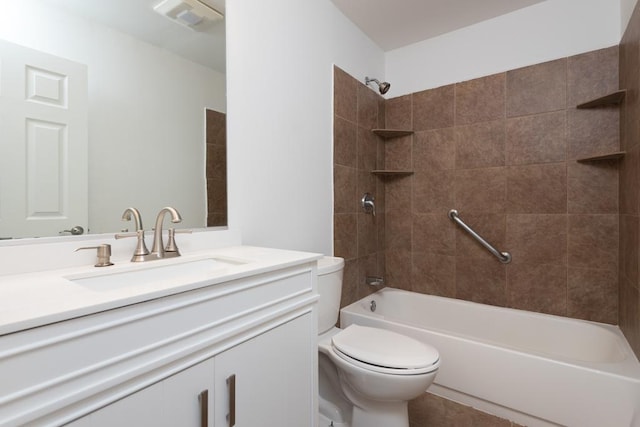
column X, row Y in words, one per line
column 231, row 417
column 203, row 398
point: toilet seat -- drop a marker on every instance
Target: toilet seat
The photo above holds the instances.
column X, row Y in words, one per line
column 384, row 351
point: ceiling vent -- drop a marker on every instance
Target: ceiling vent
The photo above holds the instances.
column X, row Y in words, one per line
column 194, row 14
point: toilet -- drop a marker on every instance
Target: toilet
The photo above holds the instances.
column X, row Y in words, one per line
column 366, row 375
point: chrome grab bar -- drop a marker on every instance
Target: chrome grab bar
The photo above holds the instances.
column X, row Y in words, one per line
column 503, row 257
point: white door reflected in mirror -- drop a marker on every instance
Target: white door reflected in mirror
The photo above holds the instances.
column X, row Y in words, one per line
column 43, row 167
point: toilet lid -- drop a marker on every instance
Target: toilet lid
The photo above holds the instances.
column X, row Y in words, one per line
column 385, row 348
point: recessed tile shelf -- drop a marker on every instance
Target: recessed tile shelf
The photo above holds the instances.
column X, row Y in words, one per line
column 381, row 172
column 611, row 99
column 608, row 156
column 614, row 98
column 391, row 133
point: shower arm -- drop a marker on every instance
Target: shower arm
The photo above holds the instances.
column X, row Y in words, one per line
column 382, row 87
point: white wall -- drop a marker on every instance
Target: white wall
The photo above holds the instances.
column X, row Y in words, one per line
column 146, row 115
column 280, row 57
column 542, row 32
column 626, row 10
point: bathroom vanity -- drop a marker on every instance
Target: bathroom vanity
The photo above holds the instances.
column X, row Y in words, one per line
column 219, row 338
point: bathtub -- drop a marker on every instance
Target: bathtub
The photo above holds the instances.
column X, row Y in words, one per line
column 531, row 368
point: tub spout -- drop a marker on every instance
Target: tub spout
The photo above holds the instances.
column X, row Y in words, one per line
column 374, row 281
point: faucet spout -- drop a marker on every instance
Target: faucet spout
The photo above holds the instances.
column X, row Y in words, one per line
column 158, row 245
column 128, row 213
column 141, row 253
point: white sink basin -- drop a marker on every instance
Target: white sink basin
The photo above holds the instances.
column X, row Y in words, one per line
column 156, row 274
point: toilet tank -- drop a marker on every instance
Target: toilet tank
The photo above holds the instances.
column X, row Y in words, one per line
column 330, row 289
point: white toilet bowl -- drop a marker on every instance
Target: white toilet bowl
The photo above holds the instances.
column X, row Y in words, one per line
column 366, row 375
column 379, row 371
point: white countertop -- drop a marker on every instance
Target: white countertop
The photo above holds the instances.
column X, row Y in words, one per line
column 35, row 299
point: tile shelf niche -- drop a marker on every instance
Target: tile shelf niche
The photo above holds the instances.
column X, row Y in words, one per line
column 608, row 156
column 614, row 98
column 391, row 134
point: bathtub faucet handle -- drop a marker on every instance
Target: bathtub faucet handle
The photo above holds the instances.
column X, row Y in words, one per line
column 367, row 204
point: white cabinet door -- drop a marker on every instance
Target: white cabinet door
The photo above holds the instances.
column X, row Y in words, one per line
column 43, row 143
column 137, row 409
column 186, row 394
column 273, row 379
column 175, row 401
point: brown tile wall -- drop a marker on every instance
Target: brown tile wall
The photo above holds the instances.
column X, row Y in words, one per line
column 502, row 150
column 358, row 237
column 216, row 134
column 629, row 288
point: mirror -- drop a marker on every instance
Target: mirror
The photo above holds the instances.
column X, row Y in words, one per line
column 150, row 81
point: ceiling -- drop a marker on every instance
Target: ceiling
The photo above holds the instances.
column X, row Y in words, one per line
column 389, row 23
column 137, row 18
column 395, row 23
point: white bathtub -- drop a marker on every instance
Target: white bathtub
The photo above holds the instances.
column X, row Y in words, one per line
column 534, row 369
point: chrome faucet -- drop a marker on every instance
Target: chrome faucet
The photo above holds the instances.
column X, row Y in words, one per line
column 158, row 246
column 141, row 253
column 158, row 250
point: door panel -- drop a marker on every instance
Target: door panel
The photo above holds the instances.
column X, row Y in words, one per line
column 43, row 142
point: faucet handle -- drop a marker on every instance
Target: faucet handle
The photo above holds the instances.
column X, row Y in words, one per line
column 367, row 204
column 171, row 250
column 141, row 250
column 125, row 235
column 182, row 231
column 104, row 254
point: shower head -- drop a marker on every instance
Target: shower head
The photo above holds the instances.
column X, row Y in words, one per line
column 382, row 87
